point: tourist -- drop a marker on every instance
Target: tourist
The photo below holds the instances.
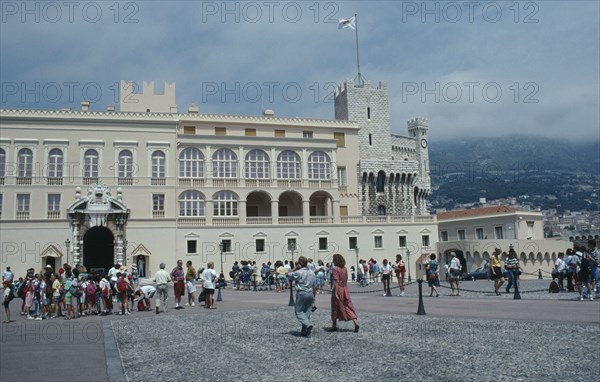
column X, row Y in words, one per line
column 90, row 295
column 177, row 276
column 585, row 271
column 511, row 264
column 190, row 283
column 8, row 296
column 561, row 270
column 454, row 269
column 145, row 293
column 433, row 278
column 210, row 280
column 341, row 304
column 106, row 290
column 569, row 270
column 281, row 278
column 497, row 275
column 595, row 254
column 56, row 295
column 246, row 275
column 68, row 299
column 376, row 271
column 304, row 281
column 386, row 275
column 320, row 277
column 370, row 264
column 8, row 275
column 162, row 278
column 400, row 269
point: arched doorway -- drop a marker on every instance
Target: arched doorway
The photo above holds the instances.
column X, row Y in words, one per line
column 98, row 249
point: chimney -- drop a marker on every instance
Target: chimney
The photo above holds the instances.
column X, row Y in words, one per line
column 268, row 113
column 110, row 108
column 193, row 109
column 85, row 105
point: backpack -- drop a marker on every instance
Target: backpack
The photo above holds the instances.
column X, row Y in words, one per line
column 22, row 291
column 105, row 290
column 553, row 287
column 122, row 285
column 366, row 268
column 90, row 289
column 141, row 305
column 74, row 290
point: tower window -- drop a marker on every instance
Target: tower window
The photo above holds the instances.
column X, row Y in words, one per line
column 368, row 113
column 370, row 140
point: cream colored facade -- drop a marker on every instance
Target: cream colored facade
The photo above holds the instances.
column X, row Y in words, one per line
column 144, row 187
column 475, row 236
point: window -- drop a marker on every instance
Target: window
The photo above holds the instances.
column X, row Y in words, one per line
column 125, row 164
column 402, row 241
column 1, row 203
column 158, row 202
column 499, row 232
column 353, row 242
column 55, row 163
column 191, row 163
column 2, row 163
column 25, row 163
column 381, row 210
column 226, row 245
column 224, row 164
column 191, row 203
column 192, row 246
column 461, row 234
column 288, row 165
column 225, row 203
column 191, row 130
column 379, row 185
column 291, row 244
column 279, row 133
column 342, row 176
column 479, row 233
column 250, row 132
column 220, row 131
column 257, row 165
column 260, row 245
column 53, row 202
column 322, row 244
column 529, row 230
column 23, row 203
column 444, row 235
column 318, row 165
column 340, row 139
column 370, row 140
column 307, row 134
column 158, row 164
column 90, row 164
column 378, row 241
column 425, row 241
column 343, row 210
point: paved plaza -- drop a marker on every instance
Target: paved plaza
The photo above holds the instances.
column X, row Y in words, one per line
column 254, row 336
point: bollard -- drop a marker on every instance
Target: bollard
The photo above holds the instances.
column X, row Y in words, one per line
column 421, row 310
column 539, row 274
column 389, row 288
column 219, row 294
column 517, row 295
column 254, row 275
column 291, row 303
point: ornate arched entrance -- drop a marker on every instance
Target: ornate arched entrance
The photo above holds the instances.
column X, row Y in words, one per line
column 98, row 249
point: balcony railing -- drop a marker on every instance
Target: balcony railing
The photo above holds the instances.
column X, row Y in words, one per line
column 158, row 181
column 320, row 183
column 90, row 180
column 291, row 220
column 54, row 181
column 158, row 214
column 191, row 182
column 23, row 180
column 351, row 219
column 262, row 183
column 53, row 214
column 287, row 183
column 259, row 220
column 222, row 221
column 191, row 221
column 22, row 215
column 125, row 181
column 321, row 220
column 225, row 182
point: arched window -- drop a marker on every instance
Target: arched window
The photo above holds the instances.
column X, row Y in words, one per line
column 225, row 203
column 380, row 181
column 224, row 164
column 25, row 163
column 125, row 164
column 381, row 210
column 257, row 165
column 158, row 164
column 55, row 163
column 90, row 164
column 191, row 203
column 318, row 165
column 191, row 163
column 2, row 163
column 288, row 165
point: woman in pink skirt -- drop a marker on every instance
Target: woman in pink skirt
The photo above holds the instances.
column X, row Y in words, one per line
column 341, row 304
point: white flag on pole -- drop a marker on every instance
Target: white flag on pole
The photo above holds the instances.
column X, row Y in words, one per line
column 346, row 23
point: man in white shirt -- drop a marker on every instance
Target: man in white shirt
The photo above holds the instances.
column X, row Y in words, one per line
column 561, row 268
column 8, row 275
column 210, row 281
column 162, row 278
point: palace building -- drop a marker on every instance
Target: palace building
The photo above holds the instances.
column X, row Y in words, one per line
column 148, row 184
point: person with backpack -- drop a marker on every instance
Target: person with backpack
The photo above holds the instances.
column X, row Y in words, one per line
column 122, row 292
column 376, row 270
column 595, row 256
column 90, row 296
column 585, row 271
column 433, row 278
column 9, row 295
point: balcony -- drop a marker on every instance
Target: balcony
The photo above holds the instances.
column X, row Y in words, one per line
column 221, row 183
column 90, row 180
column 23, row 180
column 287, row 183
column 158, row 214
column 191, row 182
column 225, row 221
column 291, row 220
column 192, row 221
column 54, row 181
column 125, row 181
column 259, row 220
column 22, row 215
column 258, row 183
column 53, row 214
column 320, row 183
column 158, row 181
column 321, row 220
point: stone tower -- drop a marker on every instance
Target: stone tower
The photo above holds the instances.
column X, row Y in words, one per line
column 393, row 171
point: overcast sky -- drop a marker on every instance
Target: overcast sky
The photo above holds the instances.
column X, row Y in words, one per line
column 472, row 68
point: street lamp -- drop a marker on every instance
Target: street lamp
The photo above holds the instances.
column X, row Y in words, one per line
column 67, row 245
column 221, row 247
column 356, row 253
column 291, row 248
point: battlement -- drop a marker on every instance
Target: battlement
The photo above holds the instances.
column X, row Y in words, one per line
column 349, row 84
column 417, row 122
column 148, row 100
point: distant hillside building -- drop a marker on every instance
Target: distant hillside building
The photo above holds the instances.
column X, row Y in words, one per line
column 150, row 184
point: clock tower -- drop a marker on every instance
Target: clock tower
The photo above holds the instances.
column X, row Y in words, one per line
column 417, row 129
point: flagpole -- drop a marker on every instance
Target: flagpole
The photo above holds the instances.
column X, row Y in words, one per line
column 360, row 79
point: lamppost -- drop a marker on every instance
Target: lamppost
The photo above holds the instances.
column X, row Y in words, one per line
column 356, row 249
column 291, row 248
column 408, row 259
column 67, row 245
column 221, row 247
